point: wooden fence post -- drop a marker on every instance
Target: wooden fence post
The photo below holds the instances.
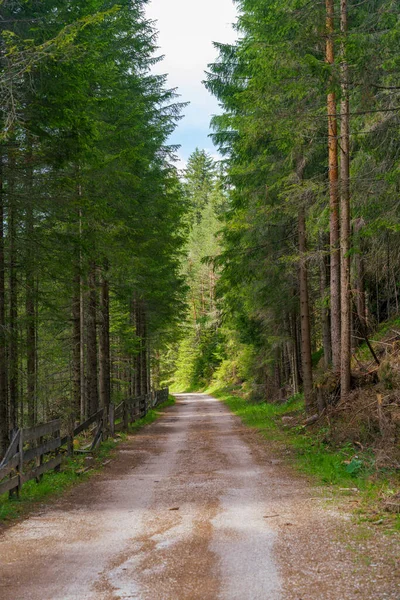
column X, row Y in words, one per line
column 106, row 423
column 20, row 468
column 126, row 415
column 39, row 459
column 70, row 442
column 56, row 435
column 16, row 433
column 111, row 419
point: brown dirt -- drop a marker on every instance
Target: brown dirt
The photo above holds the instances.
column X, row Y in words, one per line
column 197, row 507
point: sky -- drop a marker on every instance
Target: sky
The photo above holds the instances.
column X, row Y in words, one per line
column 188, row 29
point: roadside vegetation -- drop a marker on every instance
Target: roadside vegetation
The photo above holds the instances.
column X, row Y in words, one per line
column 346, row 470
column 75, row 470
column 304, row 296
column 274, row 272
column 91, row 210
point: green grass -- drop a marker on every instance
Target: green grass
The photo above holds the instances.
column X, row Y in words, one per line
column 339, row 468
column 152, row 415
column 54, row 484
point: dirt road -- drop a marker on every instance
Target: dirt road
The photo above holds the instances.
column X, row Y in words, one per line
column 194, row 508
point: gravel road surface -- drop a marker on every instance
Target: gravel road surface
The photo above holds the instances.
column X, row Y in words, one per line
column 194, row 507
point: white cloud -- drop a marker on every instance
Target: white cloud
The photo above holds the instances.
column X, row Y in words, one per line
column 181, row 162
column 187, row 30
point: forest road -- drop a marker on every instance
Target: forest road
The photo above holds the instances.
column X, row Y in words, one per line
column 192, row 508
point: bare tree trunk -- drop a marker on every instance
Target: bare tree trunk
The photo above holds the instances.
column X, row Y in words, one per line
column 84, row 407
column 78, row 354
column 345, row 213
column 143, row 351
column 294, row 368
column 325, row 316
column 30, row 296
column 277, row 369
column 360, row 320
column 294, row 354
column 138, row 357
column 4, row 425
column 286, row 363
column 104, row 341
column 148, row 352
column 76, row 344
column 92, row 364
column 334, row 194
column 305, row 315
column 13, row 326
column 361, row 297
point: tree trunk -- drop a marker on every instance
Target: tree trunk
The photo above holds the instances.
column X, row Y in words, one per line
column 294, row 353
column 277, row 369
column 294, row 367
column 305, row 315
column 138, row 356
column 360, row 319
column 13, row 325
column 334, row 194
column 84, row 401
column 78, row 317
column 104, row 341
column 360, row 283
column 148, row 353
column 286, row 363
column 143, row 351
column 325, row 315
column 4, row 424
column 76, row 345
column 30, row 296
column 345, row 213
column 92, row 365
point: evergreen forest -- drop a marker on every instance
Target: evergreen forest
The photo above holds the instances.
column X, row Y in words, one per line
column 91, row 209
column 272, row 270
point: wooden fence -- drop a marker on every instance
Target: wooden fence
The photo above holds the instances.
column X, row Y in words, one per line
column 37, row 450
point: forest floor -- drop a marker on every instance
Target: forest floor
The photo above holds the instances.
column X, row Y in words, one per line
column 197, row 506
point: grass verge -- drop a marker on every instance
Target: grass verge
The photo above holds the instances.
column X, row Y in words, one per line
column 344, row 469
column 152, row 415
column 53, row 485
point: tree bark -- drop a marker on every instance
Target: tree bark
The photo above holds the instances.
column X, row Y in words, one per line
column 30, row 295
column 305, row 315
column 294, row 354
column 104, row 341
column 138, row 356
column 345, row 371
column 4, row 424
column 13, row 325
column 334, row 194
column 84, row 408
column 325, row 314
column 76, row 344
column 143, row 351
column 78, row 316
column 92, row 362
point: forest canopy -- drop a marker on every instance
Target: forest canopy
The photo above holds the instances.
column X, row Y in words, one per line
column 91, row 209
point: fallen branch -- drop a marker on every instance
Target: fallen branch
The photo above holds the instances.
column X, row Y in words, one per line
column 314, row 418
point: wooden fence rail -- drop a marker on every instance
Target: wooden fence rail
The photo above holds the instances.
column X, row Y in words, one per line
column 22, row 464
column 34, row 451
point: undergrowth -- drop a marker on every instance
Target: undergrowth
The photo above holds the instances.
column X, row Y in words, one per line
column 53, row 484
column 345, row 468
